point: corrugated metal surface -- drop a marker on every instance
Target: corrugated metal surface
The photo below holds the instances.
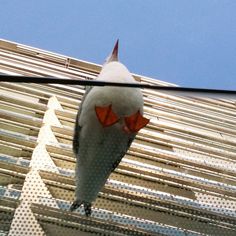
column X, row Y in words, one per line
column 178, row 178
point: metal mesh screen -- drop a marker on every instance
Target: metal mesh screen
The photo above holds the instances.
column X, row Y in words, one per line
column 177, row 178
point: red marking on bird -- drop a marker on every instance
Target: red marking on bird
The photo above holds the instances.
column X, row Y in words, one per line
column 106, row 116
column 136, row 122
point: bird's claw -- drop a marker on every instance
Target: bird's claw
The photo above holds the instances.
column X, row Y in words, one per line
column 87, row 207
column 76, row 204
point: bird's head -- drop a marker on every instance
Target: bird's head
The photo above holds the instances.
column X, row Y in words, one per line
column 114, row 54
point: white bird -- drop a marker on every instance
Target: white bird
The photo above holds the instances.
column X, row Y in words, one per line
column 107, row 122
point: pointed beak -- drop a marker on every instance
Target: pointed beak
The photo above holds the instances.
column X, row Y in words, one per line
column 115, row 50
column 114, row 54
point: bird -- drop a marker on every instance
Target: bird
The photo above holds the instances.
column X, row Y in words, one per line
column 107, row 122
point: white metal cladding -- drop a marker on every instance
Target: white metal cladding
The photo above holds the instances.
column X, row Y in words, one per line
column 178, row 177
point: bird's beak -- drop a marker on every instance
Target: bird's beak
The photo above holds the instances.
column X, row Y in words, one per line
column 115, row 50
column 114, row 55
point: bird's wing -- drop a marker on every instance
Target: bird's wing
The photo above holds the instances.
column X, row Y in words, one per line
column 77, row 126
column 117, row 162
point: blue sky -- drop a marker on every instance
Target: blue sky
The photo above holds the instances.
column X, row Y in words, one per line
column 191, row 43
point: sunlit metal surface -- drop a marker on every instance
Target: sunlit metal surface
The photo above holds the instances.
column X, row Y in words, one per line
column 178, row 177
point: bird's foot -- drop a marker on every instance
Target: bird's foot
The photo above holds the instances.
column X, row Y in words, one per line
column 87, row 209
column 76, row 204
column 87, row 206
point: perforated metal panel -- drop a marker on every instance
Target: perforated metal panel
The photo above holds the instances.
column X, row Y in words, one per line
column 178, row 177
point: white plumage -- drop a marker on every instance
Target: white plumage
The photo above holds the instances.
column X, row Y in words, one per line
column 99, row 146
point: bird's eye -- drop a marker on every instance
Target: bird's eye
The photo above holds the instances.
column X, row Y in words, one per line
column 136, row 122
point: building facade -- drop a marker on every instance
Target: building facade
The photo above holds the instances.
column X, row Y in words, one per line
column 178, row 177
